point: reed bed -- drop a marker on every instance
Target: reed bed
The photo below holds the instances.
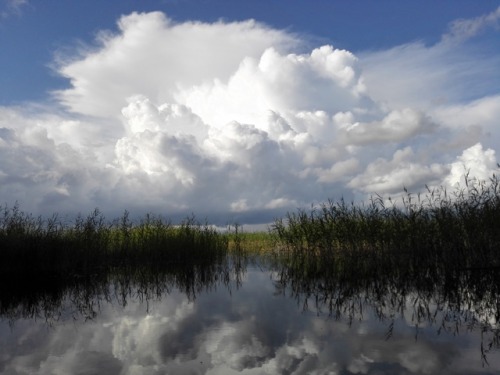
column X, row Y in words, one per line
column 45, row 263
column 426, row 239
column 423, row 233
column 35, row 248
column 433, row 258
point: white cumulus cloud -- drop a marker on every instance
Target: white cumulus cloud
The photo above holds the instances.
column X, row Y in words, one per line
column 240, row 121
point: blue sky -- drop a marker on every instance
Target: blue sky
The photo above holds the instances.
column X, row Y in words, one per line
column 242, row 110
column 31, row 32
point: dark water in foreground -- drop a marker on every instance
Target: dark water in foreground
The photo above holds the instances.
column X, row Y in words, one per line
column 250, row 327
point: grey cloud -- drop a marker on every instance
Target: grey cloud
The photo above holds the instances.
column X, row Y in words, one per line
column 391, row 176
column 341, row 169
column 397, row 126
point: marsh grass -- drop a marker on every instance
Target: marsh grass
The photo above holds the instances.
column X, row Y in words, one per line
column 437, row 238
column 256, row 244
column 45, row 263
column 33, row 248
column 434, row 232
column 431, row 259
column 434, row 257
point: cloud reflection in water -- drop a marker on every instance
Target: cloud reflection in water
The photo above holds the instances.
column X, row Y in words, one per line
column 254, row 329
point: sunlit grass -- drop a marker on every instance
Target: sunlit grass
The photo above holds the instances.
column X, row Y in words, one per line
column 251, row 243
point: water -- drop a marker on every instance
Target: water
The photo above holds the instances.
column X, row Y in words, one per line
column 250, row 324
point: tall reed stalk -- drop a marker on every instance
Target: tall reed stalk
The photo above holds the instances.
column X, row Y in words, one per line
column 34, row 248
column 422, row 233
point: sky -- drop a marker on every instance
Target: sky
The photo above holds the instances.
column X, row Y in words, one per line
column 240, row 111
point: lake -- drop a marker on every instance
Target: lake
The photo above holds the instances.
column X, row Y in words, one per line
column 250, row 320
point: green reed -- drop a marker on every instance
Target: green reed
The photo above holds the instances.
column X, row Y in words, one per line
column 49, row 249
column 43, row 262
column 433, row 256
column 420, row 233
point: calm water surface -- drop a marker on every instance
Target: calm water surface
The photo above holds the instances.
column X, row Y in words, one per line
column 254, row 326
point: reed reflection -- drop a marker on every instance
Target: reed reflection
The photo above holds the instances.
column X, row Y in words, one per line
column 355, row 284
column 81, row 296
column 431, row 258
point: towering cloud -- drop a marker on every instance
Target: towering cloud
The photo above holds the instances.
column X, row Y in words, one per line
column 153, row 56
column 239, row 121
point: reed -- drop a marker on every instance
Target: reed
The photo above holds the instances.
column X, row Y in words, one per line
column 434, row 257
column 36, row 249
column 46, row 263
column 433, row 232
